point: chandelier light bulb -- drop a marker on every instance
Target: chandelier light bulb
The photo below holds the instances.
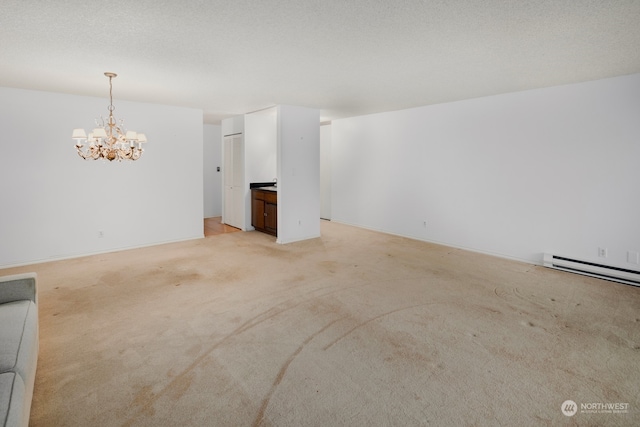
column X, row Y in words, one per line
column 109, row 140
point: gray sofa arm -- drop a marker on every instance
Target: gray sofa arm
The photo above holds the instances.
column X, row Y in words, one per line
column 18, row 287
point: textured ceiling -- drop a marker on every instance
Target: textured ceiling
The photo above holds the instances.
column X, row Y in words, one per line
column 345, row 57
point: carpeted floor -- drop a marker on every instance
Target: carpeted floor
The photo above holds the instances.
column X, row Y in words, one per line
column 356, row 328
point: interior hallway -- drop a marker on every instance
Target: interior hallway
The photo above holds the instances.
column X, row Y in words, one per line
column 214, row 226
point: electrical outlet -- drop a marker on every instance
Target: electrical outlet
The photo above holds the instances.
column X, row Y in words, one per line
column 424, row 223
column 100, row 234
column 602, row 252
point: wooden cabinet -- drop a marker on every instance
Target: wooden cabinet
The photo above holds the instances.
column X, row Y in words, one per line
column 264, row 210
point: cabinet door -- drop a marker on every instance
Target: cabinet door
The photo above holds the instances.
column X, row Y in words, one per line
column 271, row 217
column 257, row 213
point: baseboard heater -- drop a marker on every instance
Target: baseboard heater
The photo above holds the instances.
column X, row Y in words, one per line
column 607, row 272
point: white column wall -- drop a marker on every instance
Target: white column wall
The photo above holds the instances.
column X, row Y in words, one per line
column 515, row 175
column 298, row 173
column 54, row 203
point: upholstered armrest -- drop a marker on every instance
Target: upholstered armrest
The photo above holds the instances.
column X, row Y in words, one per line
column 18, row 287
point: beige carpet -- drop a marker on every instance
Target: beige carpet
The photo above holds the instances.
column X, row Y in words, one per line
column 356, row 328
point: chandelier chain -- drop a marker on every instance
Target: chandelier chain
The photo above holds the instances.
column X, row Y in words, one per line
column 111, row 107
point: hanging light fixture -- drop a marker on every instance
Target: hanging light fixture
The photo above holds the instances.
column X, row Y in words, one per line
column 109, row 140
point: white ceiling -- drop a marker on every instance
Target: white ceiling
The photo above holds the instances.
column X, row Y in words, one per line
column 345, row 57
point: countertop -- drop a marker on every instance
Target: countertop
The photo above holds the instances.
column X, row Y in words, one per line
column 272, row 188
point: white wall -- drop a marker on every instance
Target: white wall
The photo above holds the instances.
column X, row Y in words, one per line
column 325, row 171
column 298, row 173
column 260, row 129
column 54, row 203
column 212, row 178
column 515, row 175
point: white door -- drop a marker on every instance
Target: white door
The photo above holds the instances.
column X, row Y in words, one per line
column 234, row 181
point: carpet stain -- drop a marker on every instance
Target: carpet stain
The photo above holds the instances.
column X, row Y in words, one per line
column 194, row 351
column 329, row 266
column 181, row 385
column 283, row 370
column 143, row 397
column 373, row 319
column 252, row 322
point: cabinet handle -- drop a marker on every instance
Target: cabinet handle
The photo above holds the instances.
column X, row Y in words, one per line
column 265, row 214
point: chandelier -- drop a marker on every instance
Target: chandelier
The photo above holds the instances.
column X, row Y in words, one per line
column 109, row 140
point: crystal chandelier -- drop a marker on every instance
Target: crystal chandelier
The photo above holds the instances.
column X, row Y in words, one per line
column 109, row 140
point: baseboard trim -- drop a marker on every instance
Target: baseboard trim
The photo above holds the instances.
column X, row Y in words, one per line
column 85, row 254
